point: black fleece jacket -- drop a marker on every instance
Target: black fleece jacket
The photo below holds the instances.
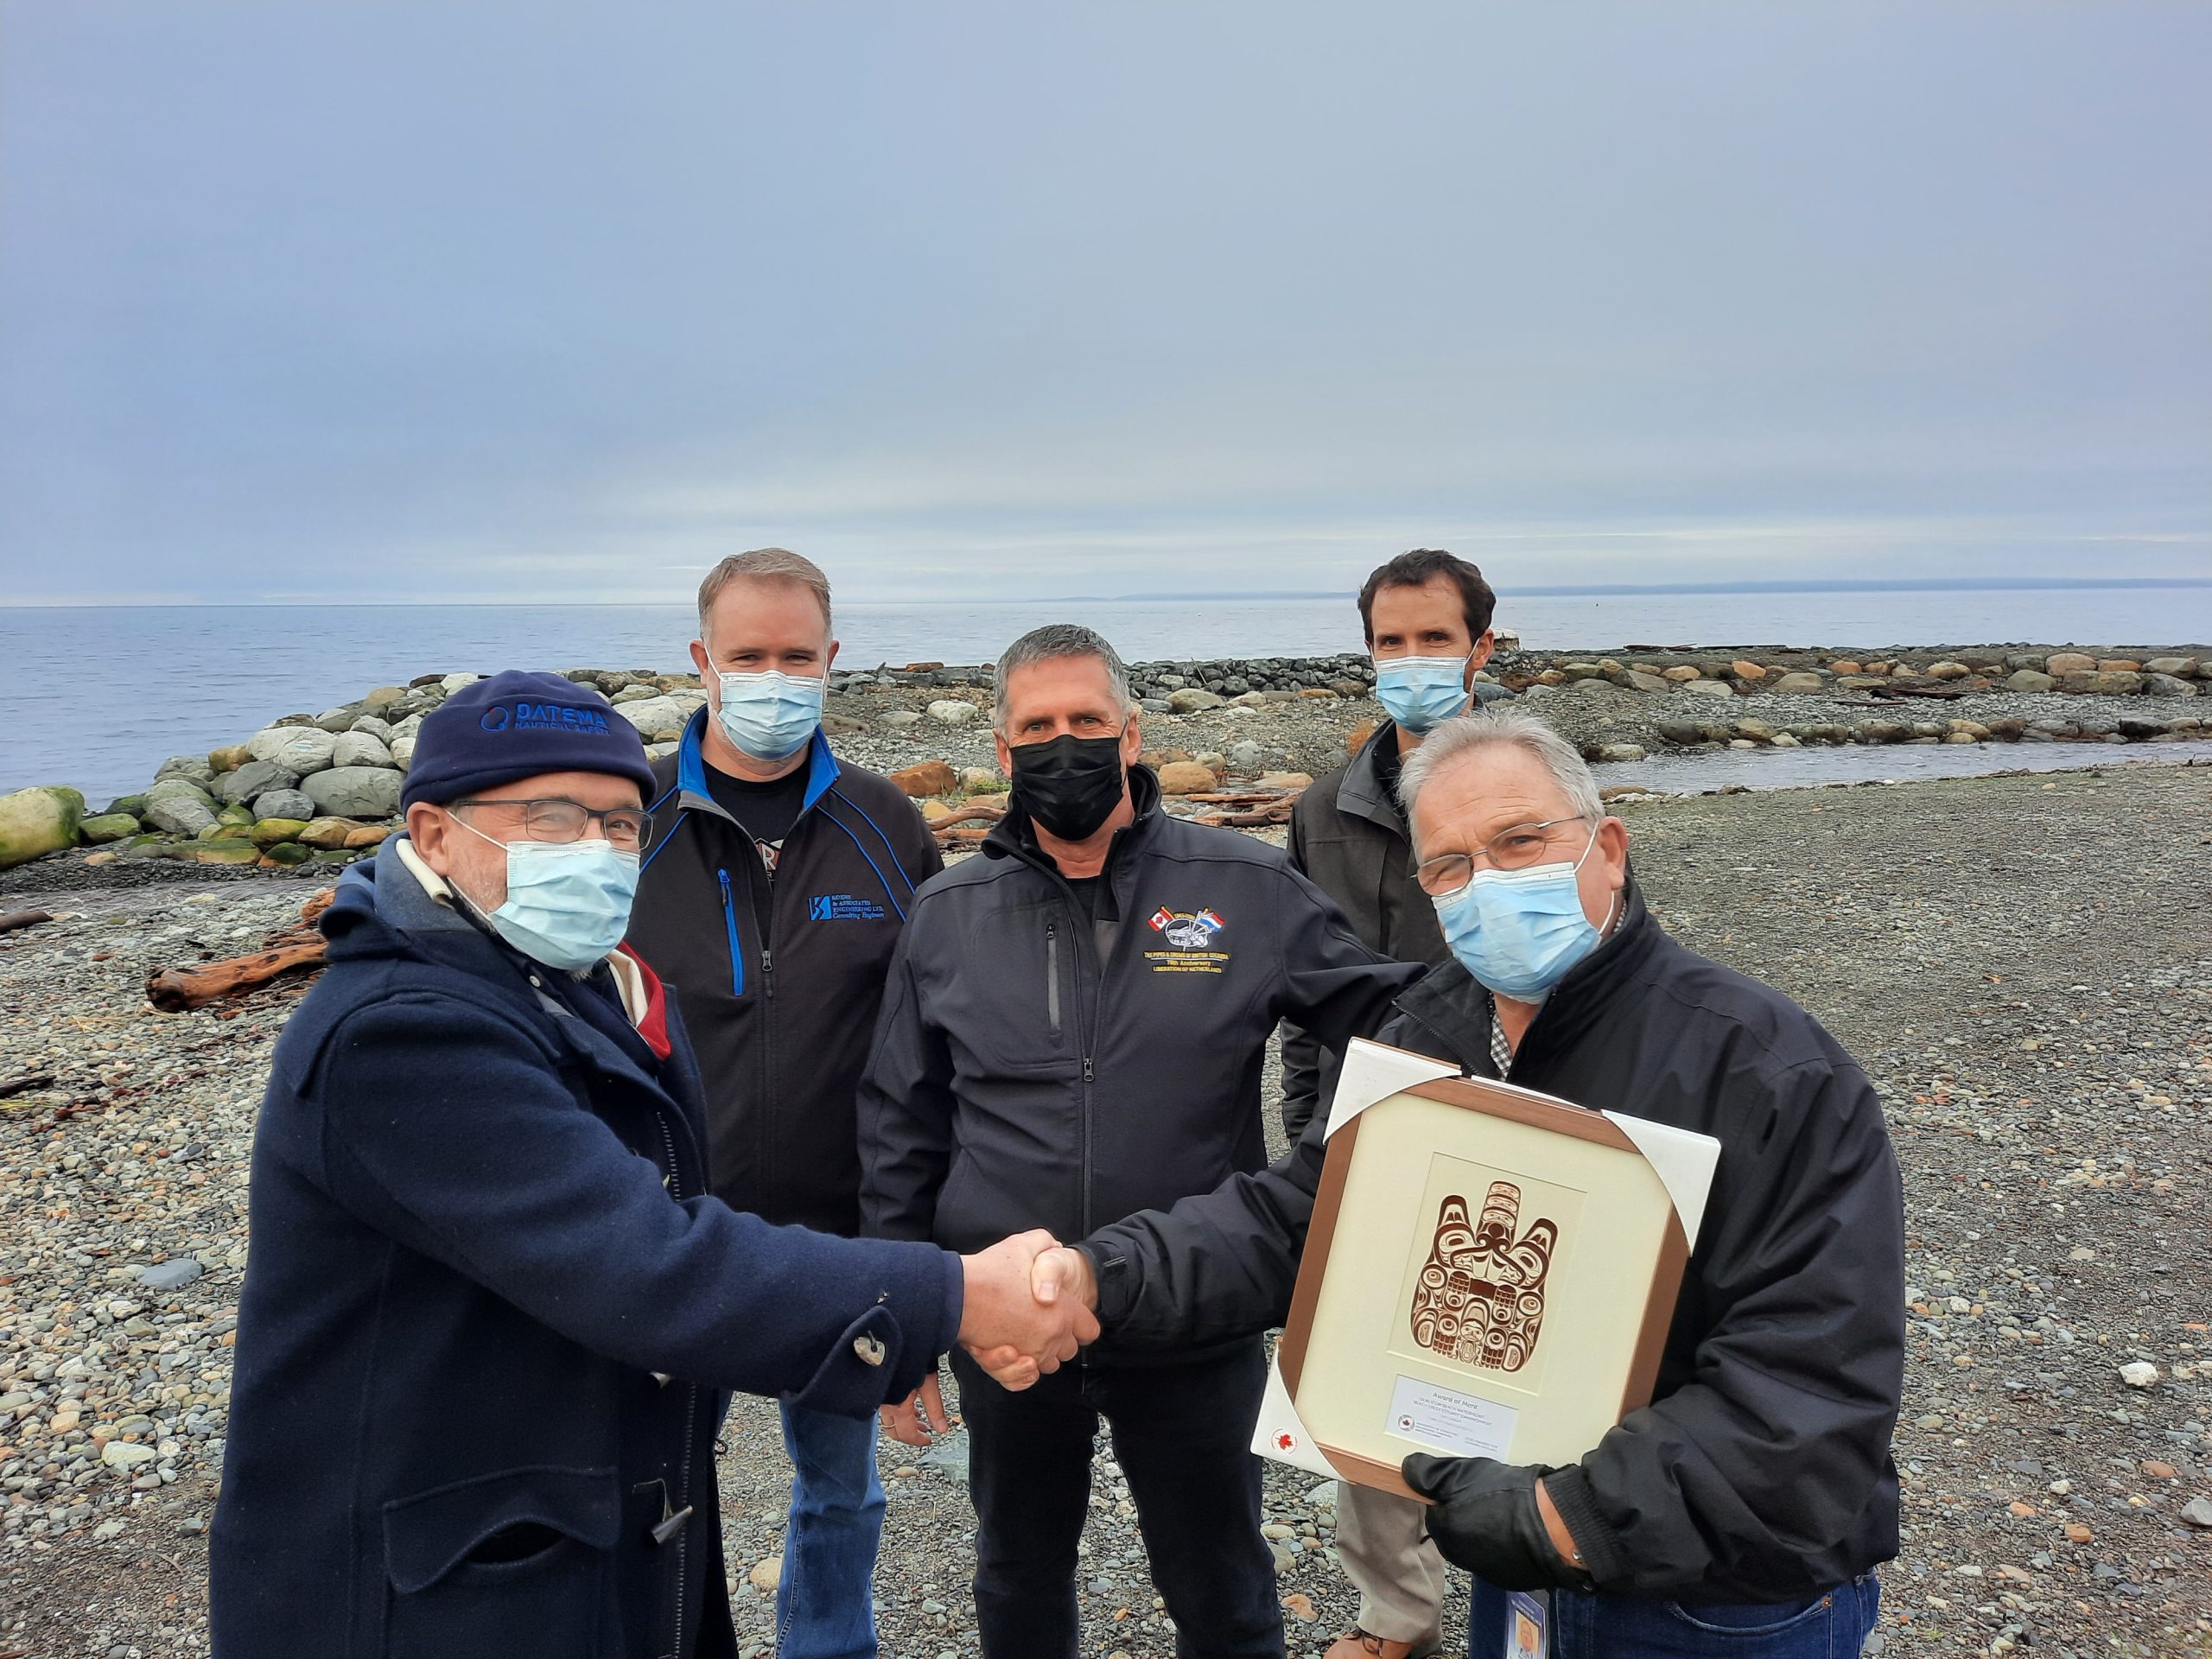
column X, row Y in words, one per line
column 1761, row 1471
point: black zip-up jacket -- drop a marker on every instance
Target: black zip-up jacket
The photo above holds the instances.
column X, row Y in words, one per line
column 1348, row 836
column 1036, row 1068
column 779, row 979
column 1761, row 1471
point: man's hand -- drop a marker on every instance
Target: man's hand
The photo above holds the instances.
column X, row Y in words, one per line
column 1013, row 1335
column 1488, row 1518
column 920, row 1417
column 1059, row 1277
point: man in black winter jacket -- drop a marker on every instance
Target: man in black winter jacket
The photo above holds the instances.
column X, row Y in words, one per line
column 1756, row 1492
column 1074, row 1029
column 772, row 897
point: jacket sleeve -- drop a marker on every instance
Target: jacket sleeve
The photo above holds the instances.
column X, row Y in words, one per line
column 1332, row 984
column 1301, row 1055
column 906, row 1111
column 1217, row 1265
column 444, row 1127
column 1773, row 1448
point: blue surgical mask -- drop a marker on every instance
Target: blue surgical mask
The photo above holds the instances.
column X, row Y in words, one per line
column 1419, row 692
column 770, row 715
column 567, row 902
column 1519, row 932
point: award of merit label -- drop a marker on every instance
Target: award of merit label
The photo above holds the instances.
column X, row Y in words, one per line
column 1464, row 1425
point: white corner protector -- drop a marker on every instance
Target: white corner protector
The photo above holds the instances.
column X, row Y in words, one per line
column 1280, row 1435
column 1683, row 1159
column 1374, row 1072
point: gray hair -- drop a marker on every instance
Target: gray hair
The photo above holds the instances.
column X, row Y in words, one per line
column 1487, row 728
column 769, row 564
column 1052, row 641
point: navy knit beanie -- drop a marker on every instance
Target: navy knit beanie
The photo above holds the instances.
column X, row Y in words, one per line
column 518, row 725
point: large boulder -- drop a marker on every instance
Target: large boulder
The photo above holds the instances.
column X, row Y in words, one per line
column 1193, row 699
column 2028, row 679
column 269, row 831
column 361, row 749
column 1187, row 778
column 930, row 777
column 355, row 792
column 2101, row 683
column 283, row 803
column 1706, row 688
column 952, row 711
column 2167, row 685
column 1640, row 681
column 654, row 715
column 108, row 826
column 254, row 779
column 179, row 806
column 326, row 833
column 300, row 749
column 2179, row 668
column 193, row 768
column 1801, row 683
column 403, row 751
column 37, row 821
column 2060, row 663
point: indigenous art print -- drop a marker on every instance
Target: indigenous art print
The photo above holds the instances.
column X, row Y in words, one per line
column 1480, row 1298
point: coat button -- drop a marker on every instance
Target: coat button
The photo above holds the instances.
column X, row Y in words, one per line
column 869, row 1349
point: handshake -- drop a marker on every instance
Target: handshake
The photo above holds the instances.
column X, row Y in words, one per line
column 1027, row 1308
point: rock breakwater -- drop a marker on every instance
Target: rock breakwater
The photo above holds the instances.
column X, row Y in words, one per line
column 318, row 790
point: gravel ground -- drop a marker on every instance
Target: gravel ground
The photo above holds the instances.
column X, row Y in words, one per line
column 2022, row 964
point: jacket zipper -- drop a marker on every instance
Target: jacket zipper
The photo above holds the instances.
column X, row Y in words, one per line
column 737, row 949
column 1052, row 976
column 1083, row 1029
column 690, row 1420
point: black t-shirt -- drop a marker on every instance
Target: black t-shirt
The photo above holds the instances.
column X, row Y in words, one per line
column 767, row 811
column 1086, row 892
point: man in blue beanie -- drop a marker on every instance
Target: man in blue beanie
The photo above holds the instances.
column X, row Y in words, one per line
column 491, row 1315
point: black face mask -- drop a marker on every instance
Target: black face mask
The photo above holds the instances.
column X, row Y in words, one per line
column 1069, row 785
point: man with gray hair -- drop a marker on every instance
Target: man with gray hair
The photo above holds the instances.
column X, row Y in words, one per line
column 1744, row 1510
column 1074, row 1028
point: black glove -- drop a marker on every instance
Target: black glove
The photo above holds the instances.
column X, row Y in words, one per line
column 1485, row 1519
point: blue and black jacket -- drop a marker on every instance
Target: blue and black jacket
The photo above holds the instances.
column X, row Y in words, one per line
column 779, row 979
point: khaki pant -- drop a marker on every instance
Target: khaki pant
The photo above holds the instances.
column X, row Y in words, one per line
column 1384, row 1541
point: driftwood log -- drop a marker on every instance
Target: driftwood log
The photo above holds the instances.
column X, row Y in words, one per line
column 178, row 990
column 21, row 918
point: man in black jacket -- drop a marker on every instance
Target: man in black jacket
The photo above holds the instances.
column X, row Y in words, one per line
column 1425, row 615
column 1074, row 1029
column 772, row 897
column 1757, row 1490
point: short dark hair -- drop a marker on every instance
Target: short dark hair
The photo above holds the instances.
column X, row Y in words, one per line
column 1413, row 570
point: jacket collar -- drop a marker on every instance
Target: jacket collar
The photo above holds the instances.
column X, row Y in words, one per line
column 691, row 768
column 1447, row 1001
column 1362, row 794
column 1014, row 838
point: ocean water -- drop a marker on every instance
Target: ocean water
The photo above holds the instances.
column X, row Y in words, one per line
column 98, row 697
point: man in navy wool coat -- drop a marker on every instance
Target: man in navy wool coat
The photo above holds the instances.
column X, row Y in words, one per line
column 491, row 1315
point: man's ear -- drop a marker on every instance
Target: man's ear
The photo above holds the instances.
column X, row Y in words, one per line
column 1005, row 754
column 429, row 832
column 829, row 660
column 1132, row 740
column 705, row 665
column 1612, row 847
column 1480, row 654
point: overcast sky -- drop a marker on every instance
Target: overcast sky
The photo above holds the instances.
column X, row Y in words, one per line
column 427, row 301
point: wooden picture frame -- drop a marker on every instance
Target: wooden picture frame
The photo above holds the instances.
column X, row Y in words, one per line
column 1487, row 1271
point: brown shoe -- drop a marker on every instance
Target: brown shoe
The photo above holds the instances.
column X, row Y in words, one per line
column 1358, row 1644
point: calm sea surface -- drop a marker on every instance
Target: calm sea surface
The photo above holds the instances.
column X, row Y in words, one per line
column 99, row 697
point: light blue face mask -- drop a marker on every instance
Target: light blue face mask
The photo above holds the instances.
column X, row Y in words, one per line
column 567, row 902
column 770, row 715
column 1519, row 932
column 1419, row 692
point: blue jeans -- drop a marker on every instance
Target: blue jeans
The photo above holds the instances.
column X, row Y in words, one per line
column 825, row 1602
column 1830, row 1626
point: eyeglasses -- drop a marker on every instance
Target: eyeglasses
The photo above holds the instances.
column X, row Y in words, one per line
column 1514, row 849
column 551, row 818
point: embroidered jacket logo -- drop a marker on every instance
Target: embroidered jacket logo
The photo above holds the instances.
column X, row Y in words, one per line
column 842, row 908
column 1192, row 930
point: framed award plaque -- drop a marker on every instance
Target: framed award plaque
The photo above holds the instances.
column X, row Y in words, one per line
column 1490, row 1272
